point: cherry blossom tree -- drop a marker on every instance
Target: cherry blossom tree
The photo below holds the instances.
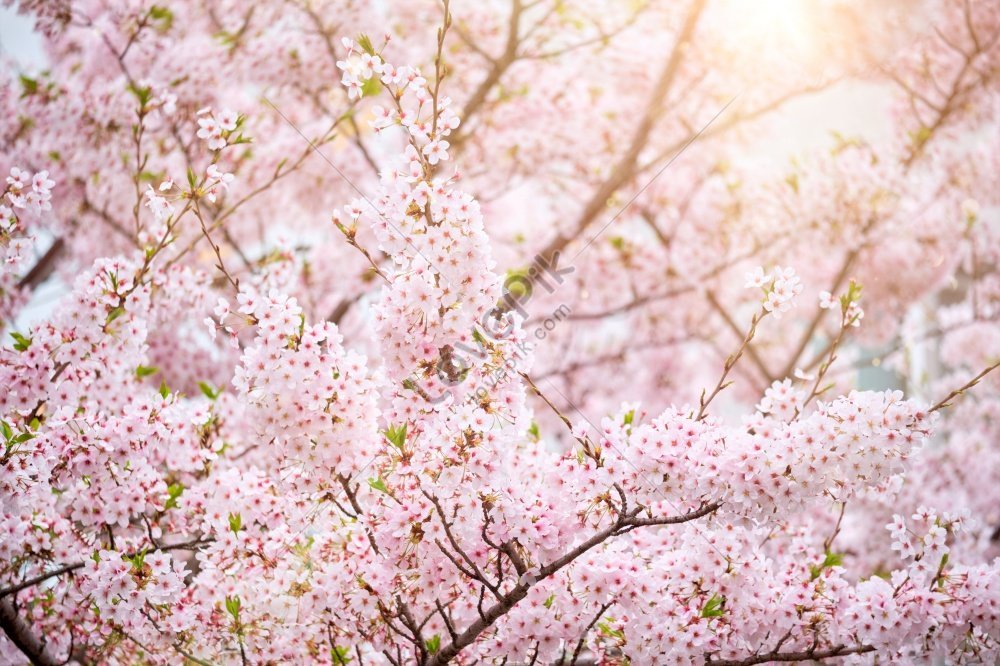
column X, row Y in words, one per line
column 427, row 332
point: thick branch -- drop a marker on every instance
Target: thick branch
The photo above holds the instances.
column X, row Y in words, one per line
column 20, row 634
column 45, row 266
column 520, row 591
column 806, row 655
column 498, row 67
column 627, row 167
column 66, row 568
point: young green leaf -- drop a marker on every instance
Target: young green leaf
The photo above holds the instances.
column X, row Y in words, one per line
column 396, row 435
column 174, row 490
column 29, row 85
column 340, row 654
column 830, row 560
column 208, row 391
column 365, row 42
column 163, row 16
column 714, row 607
column 21, row 342
column 233, row 607
column 114, row 313
column 371, row 87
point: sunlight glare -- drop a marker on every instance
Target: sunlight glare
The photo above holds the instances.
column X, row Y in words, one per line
column 773, row 24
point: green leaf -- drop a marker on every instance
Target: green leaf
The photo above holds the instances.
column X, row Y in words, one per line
column 115, row 313
column 518, row 283
column 29, row 85
column 830, row 560
column 629, row 417
column 164, row 389
column 607, row 630
column 174, row 490
column 225, row 38
column 235, row 522
column 396, row 435
column 5, row 429
column 142, row 93
column 713, row 607
column 340, row 654
column 371, row 87
column 433, row 644
column 146, row 371
column 365, row 42
column 551, row 600
column 921, row 136
column 534, row 431
column 137, row 560
column 21, row 343
column 233, row 607
column 163, row 15
column 833, row 560
column 378, row 484
column 793, row 182
column 210, row 393
column 854, row 291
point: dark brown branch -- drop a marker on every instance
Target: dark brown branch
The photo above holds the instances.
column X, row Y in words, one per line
column 66, row 568
column 44, row 267
column 583, row 638
column 20, row 634
column 352, row 497
column 447, row 620
column 472, row 566
column 520, row 591
column 806, row 655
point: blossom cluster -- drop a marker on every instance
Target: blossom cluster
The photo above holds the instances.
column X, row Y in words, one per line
column 780, row 286
column 443, row 337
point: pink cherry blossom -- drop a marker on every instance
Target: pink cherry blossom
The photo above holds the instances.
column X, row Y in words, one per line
column 456, row 344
